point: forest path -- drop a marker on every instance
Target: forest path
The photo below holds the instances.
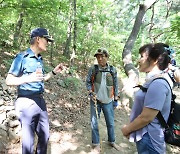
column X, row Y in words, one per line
column 70, row 133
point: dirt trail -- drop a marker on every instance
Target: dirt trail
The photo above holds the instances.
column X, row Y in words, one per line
column 70, row 125
column 76, row 139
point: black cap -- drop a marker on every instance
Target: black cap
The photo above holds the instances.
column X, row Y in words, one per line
column 101, row 52
column 41, row 32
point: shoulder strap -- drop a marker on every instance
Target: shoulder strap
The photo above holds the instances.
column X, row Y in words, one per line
column 141, row 87
column 145, row 89
column 159, row 115
column 96, row 69
column 173, row 80
column 111, row 71
column 161, row 120
column 163, row 79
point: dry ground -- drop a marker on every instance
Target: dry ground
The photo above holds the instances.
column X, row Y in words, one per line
column 70, row 124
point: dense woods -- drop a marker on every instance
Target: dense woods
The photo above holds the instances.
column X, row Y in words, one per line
column 79, row 27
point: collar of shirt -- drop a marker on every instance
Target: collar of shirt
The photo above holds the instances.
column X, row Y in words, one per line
column 104, row 68
column 30, row 53
column 153, row 73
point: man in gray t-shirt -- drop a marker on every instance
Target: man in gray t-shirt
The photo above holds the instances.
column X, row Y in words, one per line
column 102, row 86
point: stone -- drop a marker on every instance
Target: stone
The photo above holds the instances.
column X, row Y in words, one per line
column 14, row 138
column 1, row 101
column 12, row 115
column 2, row 117
column 14, row 123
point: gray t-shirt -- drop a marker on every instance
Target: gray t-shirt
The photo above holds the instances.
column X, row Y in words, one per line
column 103, row 91
column 158, row 96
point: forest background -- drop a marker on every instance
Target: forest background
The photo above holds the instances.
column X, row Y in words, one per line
column 80, row 27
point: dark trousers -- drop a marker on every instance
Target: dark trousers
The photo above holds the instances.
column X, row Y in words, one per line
column 33, row 116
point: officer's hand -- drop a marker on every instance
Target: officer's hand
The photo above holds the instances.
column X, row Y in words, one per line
column 60, row 68
column 35, row 77
column 115, row 104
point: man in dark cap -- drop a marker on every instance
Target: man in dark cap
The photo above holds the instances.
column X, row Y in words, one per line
column 27, row 73
column 102, row 85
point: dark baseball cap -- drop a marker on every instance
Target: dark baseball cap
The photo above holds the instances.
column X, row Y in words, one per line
column 101, row 52
column 41, row 32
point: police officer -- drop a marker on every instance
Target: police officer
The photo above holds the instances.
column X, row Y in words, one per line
column 27, row 73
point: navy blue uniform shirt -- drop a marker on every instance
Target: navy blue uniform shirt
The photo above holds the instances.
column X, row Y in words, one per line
column 24, row 64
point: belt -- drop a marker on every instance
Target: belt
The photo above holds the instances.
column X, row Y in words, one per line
column 32, row 96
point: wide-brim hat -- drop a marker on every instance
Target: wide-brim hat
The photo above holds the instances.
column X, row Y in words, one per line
column 41, row 32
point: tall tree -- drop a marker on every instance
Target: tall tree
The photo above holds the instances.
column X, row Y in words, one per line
column 73, row 55
column 129, row 67
column 18, row 29
column 66, row 51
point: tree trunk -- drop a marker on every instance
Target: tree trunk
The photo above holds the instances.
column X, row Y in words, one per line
column 18, row 29
column 73, row 55
column 66, row 51
column 129, row 67
column 130, row 70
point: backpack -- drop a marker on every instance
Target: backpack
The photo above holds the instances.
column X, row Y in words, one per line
column 97, row 70
column 172, row 127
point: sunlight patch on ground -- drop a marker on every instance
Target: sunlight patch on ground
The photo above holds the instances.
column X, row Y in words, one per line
column 68, row 105
column 83, row 152
column 56, row 123
column 68, row 125
column 79, row 131
column 61, row 142
column 61, row 101
column 55, row 137
column 68, row 146
column 124, row 145
column 60, row 148
column 66, row 136
column 47, row 90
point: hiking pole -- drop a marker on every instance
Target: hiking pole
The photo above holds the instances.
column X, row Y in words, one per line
column 98, row 119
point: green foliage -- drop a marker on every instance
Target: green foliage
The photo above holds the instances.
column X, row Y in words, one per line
column 73, row 70
column 100, row 23
column 72, row 83
column 7, row 63
column 176, row 25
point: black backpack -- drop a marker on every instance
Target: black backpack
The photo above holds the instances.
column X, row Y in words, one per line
column 172, row 127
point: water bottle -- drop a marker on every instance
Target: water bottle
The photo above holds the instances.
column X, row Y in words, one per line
column 39, row 68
